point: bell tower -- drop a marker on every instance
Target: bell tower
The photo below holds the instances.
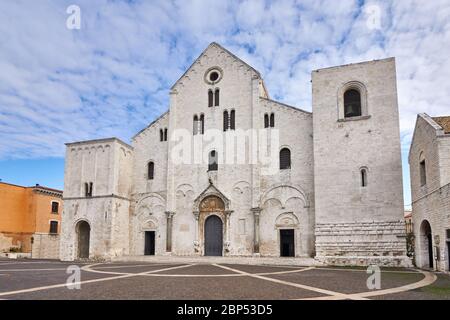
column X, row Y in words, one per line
column 357, row 165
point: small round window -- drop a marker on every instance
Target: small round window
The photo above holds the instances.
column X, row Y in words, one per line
column 213, row 75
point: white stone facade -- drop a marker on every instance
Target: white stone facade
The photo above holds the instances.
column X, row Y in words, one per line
column 431, row 193
column 315, row 208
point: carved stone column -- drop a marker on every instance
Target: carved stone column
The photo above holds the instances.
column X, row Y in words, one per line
column 196, row 235
column 169, row 215
column 227, row 229
column 256, row 213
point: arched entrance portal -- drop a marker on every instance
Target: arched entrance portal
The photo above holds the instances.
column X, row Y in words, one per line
column 426, row 245
column 212, row 218
column 213, row 236
column 84, row 233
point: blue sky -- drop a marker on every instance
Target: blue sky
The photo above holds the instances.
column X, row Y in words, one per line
column 111, row 77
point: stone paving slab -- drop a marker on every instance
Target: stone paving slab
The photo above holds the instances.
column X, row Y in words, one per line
column 164, row 288
column 207, row 281
column 347, row 281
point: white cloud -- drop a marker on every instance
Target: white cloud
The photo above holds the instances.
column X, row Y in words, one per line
column 112, row 76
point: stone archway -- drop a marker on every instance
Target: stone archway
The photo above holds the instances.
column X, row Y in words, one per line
column 211, row 220
column 83, row 231
column 211, row 202
column 213, row 236
column 425, row 245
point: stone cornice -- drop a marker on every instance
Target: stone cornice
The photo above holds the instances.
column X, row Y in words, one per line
column 97, row 197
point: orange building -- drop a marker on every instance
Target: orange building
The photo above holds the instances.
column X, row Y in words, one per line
column 30, row 217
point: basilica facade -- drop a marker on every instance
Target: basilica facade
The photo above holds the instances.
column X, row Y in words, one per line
column 228, row 171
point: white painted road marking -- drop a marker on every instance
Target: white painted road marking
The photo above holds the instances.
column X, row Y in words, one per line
column 62, row 285
column 292, row 284
column 426, row 281
column 88, row 268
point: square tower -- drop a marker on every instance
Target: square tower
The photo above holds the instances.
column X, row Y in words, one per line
column 357, row 165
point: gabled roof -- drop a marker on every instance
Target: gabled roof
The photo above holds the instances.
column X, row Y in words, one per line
column 151, row 123
column 439, row 124
column 285, row 105
column 215, row 44
column 444, row 122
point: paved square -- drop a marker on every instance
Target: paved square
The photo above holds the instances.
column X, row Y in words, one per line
column 25, row 279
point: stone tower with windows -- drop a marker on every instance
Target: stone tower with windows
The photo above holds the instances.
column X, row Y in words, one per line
column 357, row 164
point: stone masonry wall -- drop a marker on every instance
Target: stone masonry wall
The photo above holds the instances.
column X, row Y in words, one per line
column 45, row 246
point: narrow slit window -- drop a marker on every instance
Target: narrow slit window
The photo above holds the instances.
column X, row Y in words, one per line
column 285, row 159
column 363, row 178
column 423, row 173
column 266, row 120
column 161, row 135
column 272, row 120
column 165, row 134
column 210, row 98
column 202, row 124
column 216, row 97
column 225, row 120
column 86, row 189
column 213, row 161
column 195, row 125
column 232, row 119
column 150, row 170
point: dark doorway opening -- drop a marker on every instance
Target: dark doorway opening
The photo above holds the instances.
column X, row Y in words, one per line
column 430, row 250
column 149, row 249
column 213, row 236
column 287, row 244
column 448, row 255
column 84, row 233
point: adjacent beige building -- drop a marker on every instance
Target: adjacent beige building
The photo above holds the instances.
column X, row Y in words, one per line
column 429, row 161
column 228, row 171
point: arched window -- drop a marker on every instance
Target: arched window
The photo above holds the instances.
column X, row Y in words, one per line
column 423, row 170
column 363, row 177
column 202, row 124
column 272, row 120
column 210, row 98
column 266, row 120
column 352, row 103
column 216, row 97
column 165, row 134
column 150, row 170
column 225, row 120
column 161, row 135
column 86, row 189
column 232, row 119
column 213, row 161
column 195, row 125
column 285, row 158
